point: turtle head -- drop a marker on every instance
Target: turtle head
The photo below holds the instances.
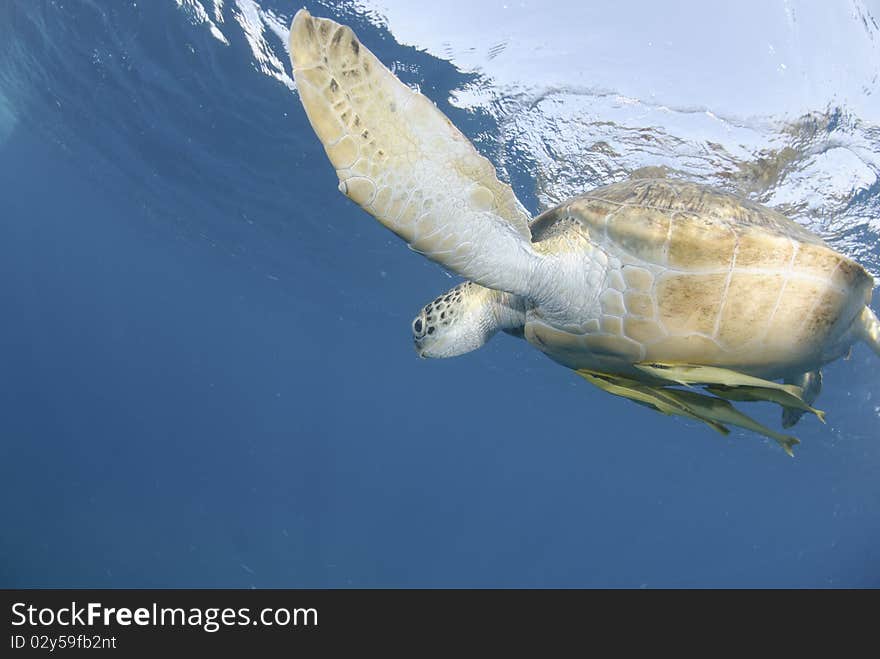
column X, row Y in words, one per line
column 463, row 319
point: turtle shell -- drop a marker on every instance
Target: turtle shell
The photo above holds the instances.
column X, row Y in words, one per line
column 701, row 276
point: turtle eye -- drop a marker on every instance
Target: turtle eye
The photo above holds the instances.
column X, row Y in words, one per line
column 417, row 326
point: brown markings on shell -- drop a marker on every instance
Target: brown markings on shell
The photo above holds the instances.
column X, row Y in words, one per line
column 795, row 305
column 674, row 196
column 707, row 225
column 640, row 231
column 816, row 261
column 748, row 307
column 758, row 249
column 826, row 314
column 690, row 303
column 822, row 262
column 699, row 243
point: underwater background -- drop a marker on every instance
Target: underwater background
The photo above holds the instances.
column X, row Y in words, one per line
column 207, row 376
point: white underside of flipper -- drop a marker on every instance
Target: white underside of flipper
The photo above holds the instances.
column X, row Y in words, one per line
column 404, row 162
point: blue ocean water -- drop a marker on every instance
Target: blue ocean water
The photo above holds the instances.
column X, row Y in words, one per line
column 206, row 364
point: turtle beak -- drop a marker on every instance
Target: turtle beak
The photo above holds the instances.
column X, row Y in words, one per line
column 421, row 350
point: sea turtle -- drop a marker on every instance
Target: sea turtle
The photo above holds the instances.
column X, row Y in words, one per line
column 645, row 287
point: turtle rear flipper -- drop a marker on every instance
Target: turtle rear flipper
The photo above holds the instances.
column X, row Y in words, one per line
column 869, row 329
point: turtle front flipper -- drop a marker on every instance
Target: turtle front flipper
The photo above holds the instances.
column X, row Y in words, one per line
column 402, row 160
